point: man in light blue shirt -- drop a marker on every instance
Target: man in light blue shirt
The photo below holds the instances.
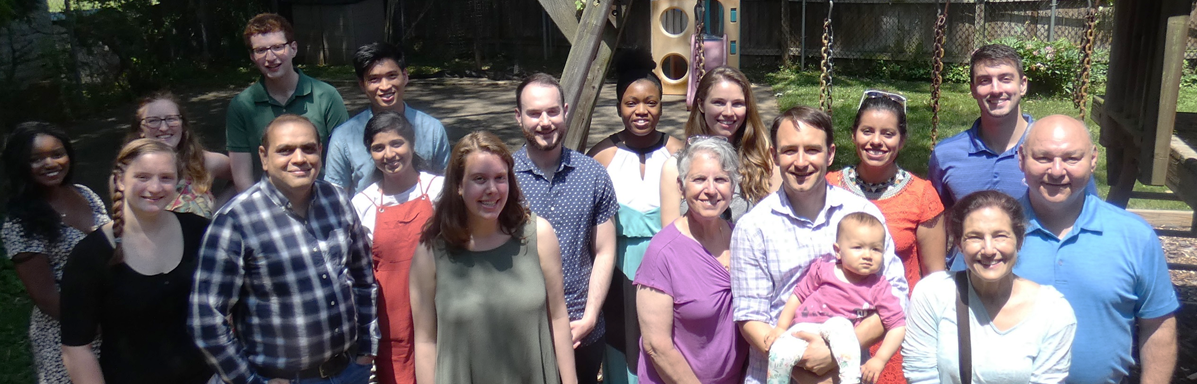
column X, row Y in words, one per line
column 382, row 74
column 1107, row 262
column 774, row 244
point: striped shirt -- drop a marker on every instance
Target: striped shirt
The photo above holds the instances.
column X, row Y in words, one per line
column 279, row 291
column 772, row 248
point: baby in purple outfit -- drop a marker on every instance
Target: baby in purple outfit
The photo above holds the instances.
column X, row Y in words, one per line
column 832, row 298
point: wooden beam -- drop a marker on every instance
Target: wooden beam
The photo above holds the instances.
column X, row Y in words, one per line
column 564, row 14
column 1175, row 36
column 579, row 129
column 576, row 78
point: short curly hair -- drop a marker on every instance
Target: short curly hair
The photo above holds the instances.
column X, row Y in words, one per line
column 265, row 23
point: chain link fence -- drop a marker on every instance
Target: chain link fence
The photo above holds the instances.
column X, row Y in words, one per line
column 869, row 29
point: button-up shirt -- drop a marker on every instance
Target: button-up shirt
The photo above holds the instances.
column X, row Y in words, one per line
column 350, row 165
column 277, row 290
column 1112, row 270
column 579, row 198
column 772, row 248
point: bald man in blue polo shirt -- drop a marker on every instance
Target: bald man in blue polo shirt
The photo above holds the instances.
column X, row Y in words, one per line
column 1107, row 262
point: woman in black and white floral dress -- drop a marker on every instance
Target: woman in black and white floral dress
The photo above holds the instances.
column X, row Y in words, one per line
column 46, row 215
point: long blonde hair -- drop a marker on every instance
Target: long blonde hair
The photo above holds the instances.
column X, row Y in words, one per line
column 751, row 140
column 133, row 150
column 190, row 149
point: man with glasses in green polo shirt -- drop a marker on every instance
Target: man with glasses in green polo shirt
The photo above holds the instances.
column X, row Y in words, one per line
column 282, row 89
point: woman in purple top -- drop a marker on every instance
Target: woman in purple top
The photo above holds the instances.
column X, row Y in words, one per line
column 684, row 287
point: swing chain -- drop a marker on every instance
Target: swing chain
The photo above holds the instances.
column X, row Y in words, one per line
column 937, row 69
column 825, row 79
column 700, row 62
column 1082, row 91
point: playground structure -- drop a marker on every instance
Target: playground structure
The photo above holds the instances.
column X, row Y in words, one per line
column 1138, row 115
column 690, row 37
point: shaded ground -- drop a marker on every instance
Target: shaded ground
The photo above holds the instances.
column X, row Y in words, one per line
column 465, row 105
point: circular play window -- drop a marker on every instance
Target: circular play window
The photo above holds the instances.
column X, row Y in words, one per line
column 674, row 66
column 674, row 21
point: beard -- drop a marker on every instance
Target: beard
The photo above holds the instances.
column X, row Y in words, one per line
column 531, row 139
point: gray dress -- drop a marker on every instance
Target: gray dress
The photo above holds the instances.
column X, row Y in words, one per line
column 492, row 324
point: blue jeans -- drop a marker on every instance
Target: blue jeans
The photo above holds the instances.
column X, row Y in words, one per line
column 353, row 374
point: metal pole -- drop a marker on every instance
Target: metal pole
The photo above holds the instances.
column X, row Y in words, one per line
column 544, row 32
column 802, row 52
column 1051, row 27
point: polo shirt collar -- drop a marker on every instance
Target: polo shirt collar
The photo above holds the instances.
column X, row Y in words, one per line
column 977, row 144
column 302, row 88
column 831, row 204
column 1086, row 221
column 523, row 163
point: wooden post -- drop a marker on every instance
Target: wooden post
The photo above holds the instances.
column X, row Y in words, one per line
column 574, row 79
column 563, row 14
column 1175, row 34
column 979, row 34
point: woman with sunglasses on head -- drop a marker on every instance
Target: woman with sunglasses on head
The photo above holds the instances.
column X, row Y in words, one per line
column 46, row 218
column 633, row 158
column 131, row 280
column 912, row 209
column 487, row 300
column 394, row 211
column 160, row 117
column 725, row 107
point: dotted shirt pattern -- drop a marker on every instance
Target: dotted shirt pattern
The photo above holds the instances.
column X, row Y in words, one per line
column 579, row 198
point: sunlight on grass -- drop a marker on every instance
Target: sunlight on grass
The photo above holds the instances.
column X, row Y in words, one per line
column 958, row 110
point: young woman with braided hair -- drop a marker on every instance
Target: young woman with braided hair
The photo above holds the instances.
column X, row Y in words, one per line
column 132, row 279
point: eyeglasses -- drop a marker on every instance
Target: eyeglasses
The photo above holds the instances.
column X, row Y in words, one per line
column 874, row 93
column 278, row 49
column 699, row 138
column 156, row 121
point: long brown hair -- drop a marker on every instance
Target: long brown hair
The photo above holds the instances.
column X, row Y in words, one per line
column 190, row 149
column 133, row 150
column 751, row 140
column 450, row 223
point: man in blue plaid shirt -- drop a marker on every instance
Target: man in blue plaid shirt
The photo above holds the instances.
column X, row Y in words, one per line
column 284, row 289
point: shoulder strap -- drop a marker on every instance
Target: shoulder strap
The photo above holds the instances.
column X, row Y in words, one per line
column 966, row 354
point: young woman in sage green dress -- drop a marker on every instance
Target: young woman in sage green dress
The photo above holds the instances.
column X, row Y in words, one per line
column 486, row 288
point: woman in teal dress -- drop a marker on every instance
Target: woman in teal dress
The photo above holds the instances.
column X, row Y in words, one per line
column 634, row 158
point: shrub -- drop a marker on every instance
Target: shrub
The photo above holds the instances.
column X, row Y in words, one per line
column 1051, row 66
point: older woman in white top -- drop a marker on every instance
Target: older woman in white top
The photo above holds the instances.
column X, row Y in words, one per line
column 1020, row 331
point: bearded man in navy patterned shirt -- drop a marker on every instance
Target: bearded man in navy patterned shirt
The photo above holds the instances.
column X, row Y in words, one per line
column 574, row 193
column 284, row 289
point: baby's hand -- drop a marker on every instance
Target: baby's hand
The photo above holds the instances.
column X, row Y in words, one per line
column 772, row 336
column 871, row 370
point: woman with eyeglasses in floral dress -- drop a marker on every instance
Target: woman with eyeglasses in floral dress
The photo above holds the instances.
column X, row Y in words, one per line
column 912, row 209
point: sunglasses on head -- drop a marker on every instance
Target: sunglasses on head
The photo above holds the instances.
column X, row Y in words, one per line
column 699, row 138
column 874, row 93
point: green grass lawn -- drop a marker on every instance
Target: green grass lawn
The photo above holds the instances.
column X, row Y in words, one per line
column 957, row 112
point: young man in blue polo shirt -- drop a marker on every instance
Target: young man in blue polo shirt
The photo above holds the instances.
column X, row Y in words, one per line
column 382, row 75
column 1107, row 262
column 984, row 156
column 574, row 193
